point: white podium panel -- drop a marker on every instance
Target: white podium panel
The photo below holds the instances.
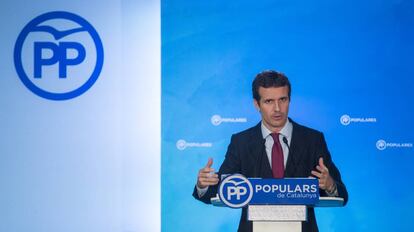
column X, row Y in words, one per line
column 271, row 218
column 277, row 226
column 277, row 213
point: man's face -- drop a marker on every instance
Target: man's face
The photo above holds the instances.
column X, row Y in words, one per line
column 273, row 106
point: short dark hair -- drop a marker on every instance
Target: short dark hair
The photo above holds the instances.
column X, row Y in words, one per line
column 267, row 79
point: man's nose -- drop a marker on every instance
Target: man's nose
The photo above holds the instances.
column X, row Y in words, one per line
column 276, row 106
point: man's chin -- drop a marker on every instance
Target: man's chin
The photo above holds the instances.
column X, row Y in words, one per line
column 279, row 123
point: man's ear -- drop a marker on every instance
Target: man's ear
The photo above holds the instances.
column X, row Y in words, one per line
column 256, row 104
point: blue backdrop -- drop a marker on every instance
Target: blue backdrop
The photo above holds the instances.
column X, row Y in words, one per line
column 350, row 64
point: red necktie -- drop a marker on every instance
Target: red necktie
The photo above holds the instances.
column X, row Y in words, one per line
column 278, row 167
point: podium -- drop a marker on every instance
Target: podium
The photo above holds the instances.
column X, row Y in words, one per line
column 273, row 204
column 286, row 218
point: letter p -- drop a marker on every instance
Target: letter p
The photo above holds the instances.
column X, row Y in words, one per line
column 65, row 61
column 231, row 191
column 40, row 61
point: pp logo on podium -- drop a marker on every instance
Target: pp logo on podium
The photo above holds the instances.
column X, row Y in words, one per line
column 58, row 55
column 235, row 191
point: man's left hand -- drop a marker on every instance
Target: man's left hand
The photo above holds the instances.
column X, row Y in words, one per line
column 325, row 180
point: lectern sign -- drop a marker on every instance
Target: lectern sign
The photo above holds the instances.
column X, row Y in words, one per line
column 289, row 191
column 237, row 191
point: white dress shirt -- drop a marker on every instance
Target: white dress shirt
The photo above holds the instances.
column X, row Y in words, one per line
column 286, row 132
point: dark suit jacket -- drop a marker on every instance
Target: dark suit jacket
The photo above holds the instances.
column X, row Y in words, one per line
column 246, row 155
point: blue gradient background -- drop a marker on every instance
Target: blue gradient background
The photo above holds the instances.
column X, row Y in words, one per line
column 342, row 57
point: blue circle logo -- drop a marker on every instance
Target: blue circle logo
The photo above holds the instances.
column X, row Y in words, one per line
column 216, row 120
column 235, row 191
column 58, row 55
column 345, row 120
column 181, row 144
column 381, row 144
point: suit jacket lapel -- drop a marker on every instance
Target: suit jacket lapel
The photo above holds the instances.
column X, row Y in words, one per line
column 257, row 149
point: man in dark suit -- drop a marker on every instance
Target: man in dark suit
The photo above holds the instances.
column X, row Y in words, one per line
column 277, row 147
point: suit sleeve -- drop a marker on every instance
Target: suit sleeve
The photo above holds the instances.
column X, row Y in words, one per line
column 333, row 170
column 230, row 165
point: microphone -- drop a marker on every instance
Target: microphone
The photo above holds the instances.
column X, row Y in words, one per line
column 286, row 142
column 258, row 166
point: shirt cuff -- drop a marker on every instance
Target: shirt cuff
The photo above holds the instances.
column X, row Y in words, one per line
column 332, row 193
column 201, row 191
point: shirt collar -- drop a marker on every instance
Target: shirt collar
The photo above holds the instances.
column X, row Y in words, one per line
column 286, row 131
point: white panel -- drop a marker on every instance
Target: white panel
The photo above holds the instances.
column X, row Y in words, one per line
column 91, row 163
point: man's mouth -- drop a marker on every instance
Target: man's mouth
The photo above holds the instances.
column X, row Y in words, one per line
column 277, row 117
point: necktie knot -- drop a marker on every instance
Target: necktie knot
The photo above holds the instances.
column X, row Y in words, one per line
column 275, row 137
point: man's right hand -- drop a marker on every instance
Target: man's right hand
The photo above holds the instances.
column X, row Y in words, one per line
column 206, row 176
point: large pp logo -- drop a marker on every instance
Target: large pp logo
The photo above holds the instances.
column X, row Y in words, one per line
column 58, row 55
column 235, row 191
